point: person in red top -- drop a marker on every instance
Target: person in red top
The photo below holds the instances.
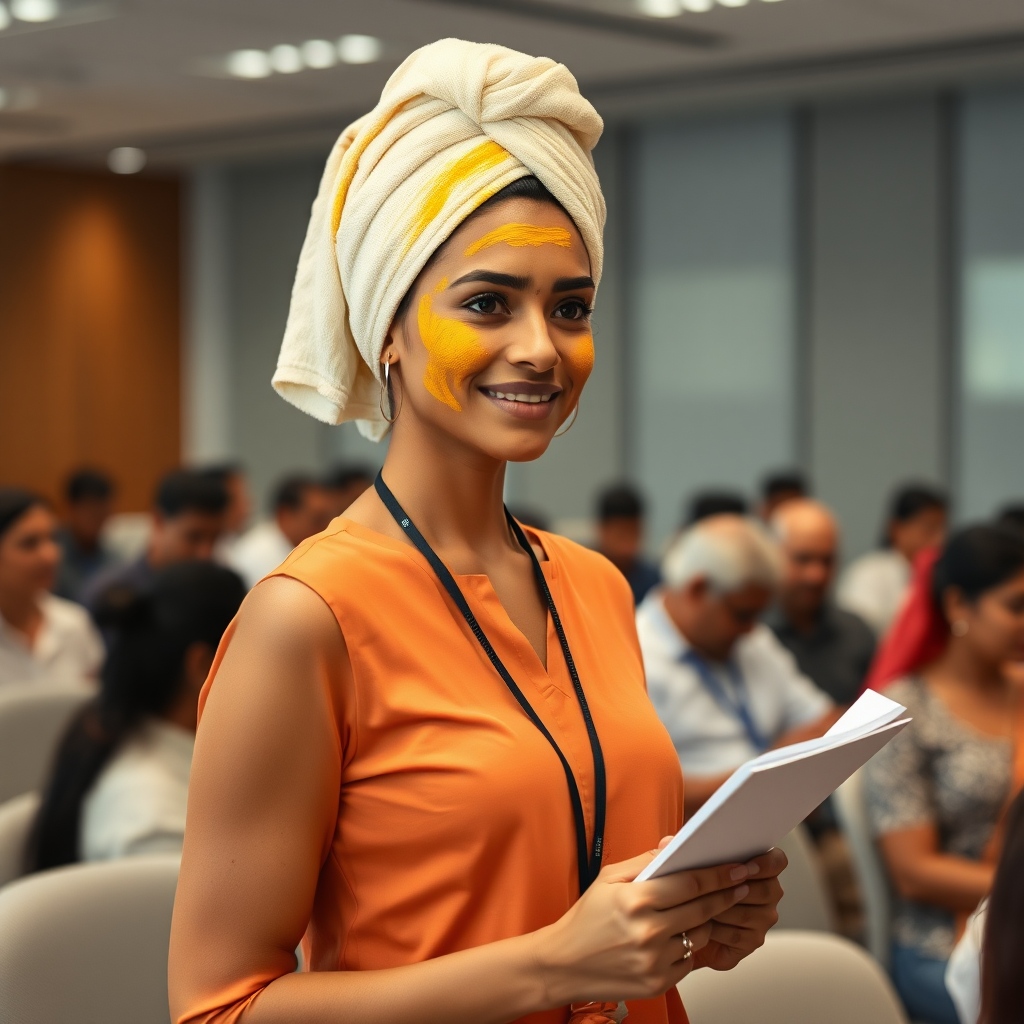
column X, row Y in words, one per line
column 425, row 748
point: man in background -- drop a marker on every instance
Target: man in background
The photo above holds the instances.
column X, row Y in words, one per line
column 188, row 516
column 89, row 501
column 238, row 509
column 301, row 508
column 832, row 647
column 344, row 484
column 620, row 537
column 778, row 488
column 705, row 504
column 721, row 683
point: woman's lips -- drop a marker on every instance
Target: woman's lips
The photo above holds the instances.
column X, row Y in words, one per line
column 527, row 400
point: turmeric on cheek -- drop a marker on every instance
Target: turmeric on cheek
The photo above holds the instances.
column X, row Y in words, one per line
column 454, row 351
column 580, row 359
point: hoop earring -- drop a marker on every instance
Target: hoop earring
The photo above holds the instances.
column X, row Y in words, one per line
column 575, row 413
column 959, row 628
column 386, row 388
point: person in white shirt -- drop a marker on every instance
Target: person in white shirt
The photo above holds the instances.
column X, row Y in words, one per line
column 721, row 683
column 874, row 585
column 43, row 638
column 119, row 786
column 301, row 509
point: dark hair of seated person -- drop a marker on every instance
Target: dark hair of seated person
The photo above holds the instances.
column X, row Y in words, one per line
column 706, row 504
column 1002, row 980
column 189, row 603
column 977, row 559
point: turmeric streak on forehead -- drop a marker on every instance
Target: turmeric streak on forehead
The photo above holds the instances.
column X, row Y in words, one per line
column 477, row 161
column 521, row 235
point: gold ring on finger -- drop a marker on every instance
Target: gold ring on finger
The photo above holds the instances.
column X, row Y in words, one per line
column 687, row 945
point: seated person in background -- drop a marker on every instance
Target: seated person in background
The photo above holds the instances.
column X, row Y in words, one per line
column 721, row 683
column 343, row 485
column 620, row 537
column 832, row 647
column 777, row 489
column 43, row 639
column 984, row 976
column 89, row 496
column 705, row 504
column 120, row 779
column 231, row 477
column 301, row 509
column 874, row 586
column 187, row 520
column 936, row 792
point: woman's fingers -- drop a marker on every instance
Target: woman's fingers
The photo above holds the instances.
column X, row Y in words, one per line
column 703, row 909
column 686, row 886
column 767, row 891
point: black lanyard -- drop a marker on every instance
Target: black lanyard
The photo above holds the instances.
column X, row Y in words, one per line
column 589, row 866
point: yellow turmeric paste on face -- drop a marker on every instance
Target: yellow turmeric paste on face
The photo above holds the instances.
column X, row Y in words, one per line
column 521, row 235
column 454, row 349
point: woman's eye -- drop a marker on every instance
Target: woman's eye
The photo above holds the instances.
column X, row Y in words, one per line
column 486, row 304
column 572, row 309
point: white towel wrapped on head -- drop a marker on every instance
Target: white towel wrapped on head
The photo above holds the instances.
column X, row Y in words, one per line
column 456, row 123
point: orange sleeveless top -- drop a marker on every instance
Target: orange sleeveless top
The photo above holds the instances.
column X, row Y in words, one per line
column 454, row 824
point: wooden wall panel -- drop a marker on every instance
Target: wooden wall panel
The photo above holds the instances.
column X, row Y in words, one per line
column 90, row 301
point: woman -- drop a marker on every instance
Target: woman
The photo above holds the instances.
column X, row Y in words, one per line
column 875, row 585
column 427, row 731
column 936, row 794
column 43, row 638
column 120, row 780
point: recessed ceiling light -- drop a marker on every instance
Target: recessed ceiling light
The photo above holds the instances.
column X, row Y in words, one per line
column 734, row 3
column 126, row 160
column 286, row 59
column 356, row 49
column 698, row 6
column 35, row 10
column 659, row 8
column 249, row 64
column 319, row 53
column 5, row 17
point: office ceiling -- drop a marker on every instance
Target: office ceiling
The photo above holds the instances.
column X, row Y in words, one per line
column 147, row 72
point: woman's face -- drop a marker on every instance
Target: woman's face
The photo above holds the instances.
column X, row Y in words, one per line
column 29, row 554
column 496, row 344
column 995, row 622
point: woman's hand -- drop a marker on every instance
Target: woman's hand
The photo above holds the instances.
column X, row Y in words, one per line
column 741, row 929
column 623, row 940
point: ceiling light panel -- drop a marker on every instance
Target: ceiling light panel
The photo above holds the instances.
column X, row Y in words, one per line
column 674, row 8
column 35, row 10
column 314, row 54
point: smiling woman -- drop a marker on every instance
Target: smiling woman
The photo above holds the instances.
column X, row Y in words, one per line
column 425, row 749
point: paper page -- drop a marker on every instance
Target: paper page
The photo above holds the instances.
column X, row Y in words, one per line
column 870, row 709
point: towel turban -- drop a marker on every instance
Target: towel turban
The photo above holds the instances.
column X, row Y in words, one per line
column 456, row 123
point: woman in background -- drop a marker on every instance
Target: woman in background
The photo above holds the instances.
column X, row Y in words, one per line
column 875, row 585
column 937, row 792
column 43, row 638
column 120, row 781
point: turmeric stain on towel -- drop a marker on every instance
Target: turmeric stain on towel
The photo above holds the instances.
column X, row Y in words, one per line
column 521, row 235
column 454, row 349
column 476, row 162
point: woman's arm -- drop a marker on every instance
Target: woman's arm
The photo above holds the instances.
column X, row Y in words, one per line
column 262, row 813
column 923, row 874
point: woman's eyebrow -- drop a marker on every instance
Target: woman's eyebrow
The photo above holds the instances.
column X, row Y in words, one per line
column 519, row 284
column 568, row 284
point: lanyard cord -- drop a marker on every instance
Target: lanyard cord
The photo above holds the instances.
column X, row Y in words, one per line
column 738, row 708
column 588, row 866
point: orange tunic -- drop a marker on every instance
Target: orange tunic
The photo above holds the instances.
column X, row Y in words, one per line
column 454, row 825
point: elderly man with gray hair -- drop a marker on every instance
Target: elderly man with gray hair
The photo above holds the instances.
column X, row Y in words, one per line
column 722, row 684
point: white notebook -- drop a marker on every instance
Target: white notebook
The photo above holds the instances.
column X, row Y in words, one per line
column 766, row 798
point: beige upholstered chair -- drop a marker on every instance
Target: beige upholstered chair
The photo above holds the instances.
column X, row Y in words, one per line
column 795, row 978
column 87, row 944
column 16, row 817
column 867, row 862
column 32, row 719
column 807, row 904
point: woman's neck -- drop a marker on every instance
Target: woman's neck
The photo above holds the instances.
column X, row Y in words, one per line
column 22, row 612
column 961, row 665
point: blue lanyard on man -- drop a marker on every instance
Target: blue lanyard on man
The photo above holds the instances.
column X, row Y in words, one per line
column 737, row 708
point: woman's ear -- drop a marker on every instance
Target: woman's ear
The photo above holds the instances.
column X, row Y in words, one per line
column 389, row 353
column 954, row 605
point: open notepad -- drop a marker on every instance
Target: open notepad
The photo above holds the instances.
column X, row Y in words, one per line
column 766, row 798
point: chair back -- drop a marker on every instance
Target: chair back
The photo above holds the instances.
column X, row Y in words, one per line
column 32, row 719
column 16, row 817
column 88, row 943
column 807, row 904
column 795, row 978
column 851, row 810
